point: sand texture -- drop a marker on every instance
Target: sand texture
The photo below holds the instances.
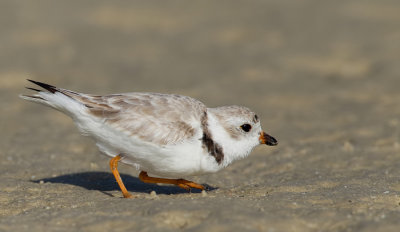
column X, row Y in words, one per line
column 324, row 77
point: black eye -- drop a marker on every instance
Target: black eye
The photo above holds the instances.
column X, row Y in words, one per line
column 246, row 127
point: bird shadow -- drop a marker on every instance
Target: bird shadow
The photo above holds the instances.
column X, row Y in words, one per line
column 104, row 181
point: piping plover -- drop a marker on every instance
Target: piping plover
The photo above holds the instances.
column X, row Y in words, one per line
column 169, row 136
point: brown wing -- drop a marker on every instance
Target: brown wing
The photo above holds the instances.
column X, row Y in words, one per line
column 158, row 118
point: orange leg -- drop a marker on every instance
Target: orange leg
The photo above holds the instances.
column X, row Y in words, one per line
column 185, row 184
column 114, row 170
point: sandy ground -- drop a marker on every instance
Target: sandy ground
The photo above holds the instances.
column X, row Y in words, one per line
column 324, row 76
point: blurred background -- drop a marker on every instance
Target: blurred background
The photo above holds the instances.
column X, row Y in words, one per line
column 322, row 75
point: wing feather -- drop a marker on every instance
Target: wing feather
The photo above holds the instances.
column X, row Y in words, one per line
column 159, row 118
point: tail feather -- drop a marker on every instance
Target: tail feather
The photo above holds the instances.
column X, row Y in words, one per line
column 27, row 97
column 37, row 90
column 57, row 98
column 45, row 86
column 34, row 98
column 40, row 97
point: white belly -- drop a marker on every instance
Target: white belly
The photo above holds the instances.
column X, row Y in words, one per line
column 174, row 161
column 177, row 161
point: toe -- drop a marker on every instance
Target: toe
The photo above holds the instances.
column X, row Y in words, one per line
column 195, row 185
column 128, row 195
column 184, row 186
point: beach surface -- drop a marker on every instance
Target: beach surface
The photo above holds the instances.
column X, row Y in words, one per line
column 324, row 78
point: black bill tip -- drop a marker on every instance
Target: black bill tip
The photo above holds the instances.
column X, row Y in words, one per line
column 268, row 139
